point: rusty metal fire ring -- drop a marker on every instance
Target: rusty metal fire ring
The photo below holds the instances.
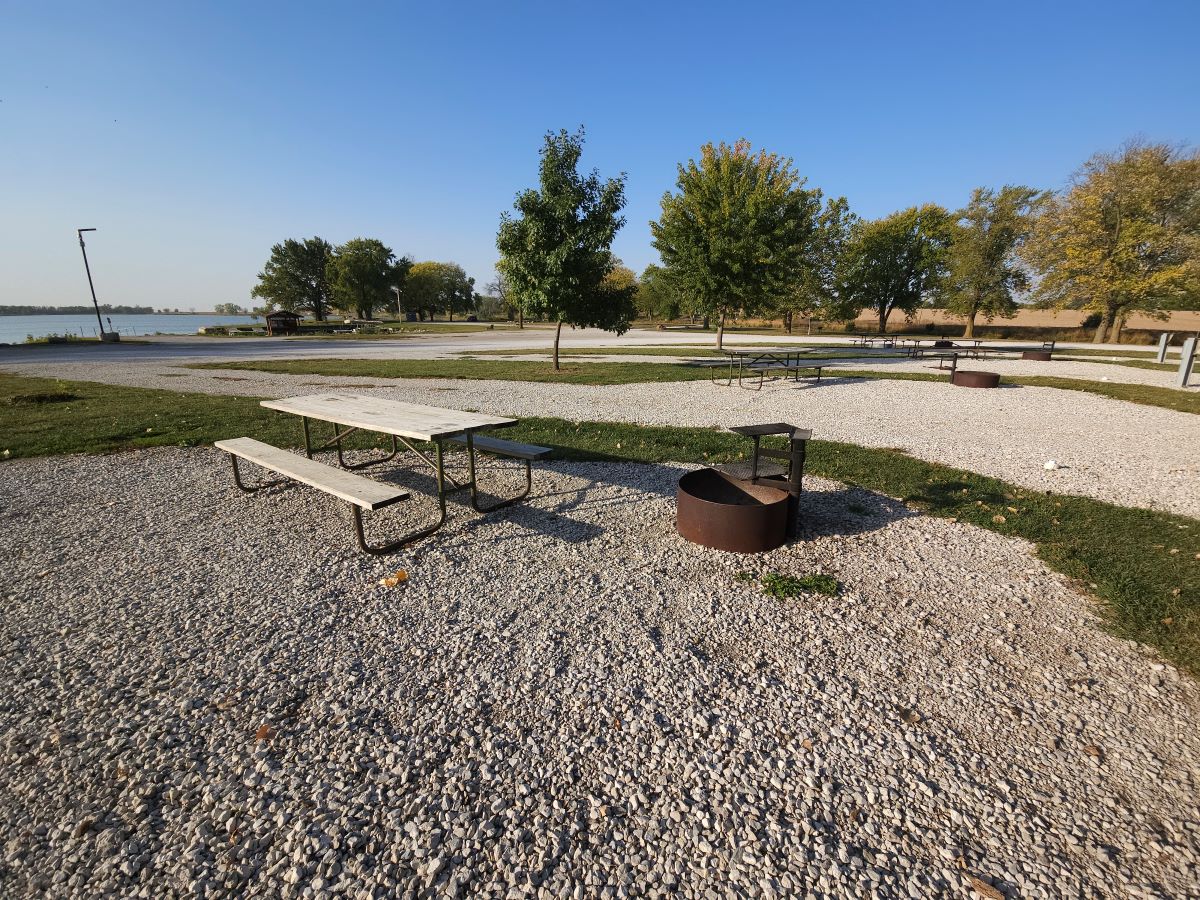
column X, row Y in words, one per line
column 725, row 513
column 964, row 378
column 1040, row 355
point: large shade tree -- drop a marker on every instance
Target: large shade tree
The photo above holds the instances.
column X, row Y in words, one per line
column 555, row 252
column 815, row 289
column 501, row 290
column 295, row 277
column 894, row 263
column 433, row 287
column 985, row 272
column 1125, row 236
column 363, row 272
column 734, row 234
column 657, row 296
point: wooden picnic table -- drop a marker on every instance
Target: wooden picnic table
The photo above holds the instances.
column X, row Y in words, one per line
column 405, row 423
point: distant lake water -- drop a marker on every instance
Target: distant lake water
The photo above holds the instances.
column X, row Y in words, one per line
column 14, row 329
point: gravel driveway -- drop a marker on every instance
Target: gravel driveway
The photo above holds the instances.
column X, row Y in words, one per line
column 205, row 693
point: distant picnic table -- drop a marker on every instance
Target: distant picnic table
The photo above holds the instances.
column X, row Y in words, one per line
column 747, row 362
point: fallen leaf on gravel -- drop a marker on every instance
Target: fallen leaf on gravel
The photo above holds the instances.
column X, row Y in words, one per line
column 1093, row 750
column 999, row 520
column 983, row 889
column 806, row 744
column 911, row 716
column 264, row 733
column 398, row 577
column 1012, row 509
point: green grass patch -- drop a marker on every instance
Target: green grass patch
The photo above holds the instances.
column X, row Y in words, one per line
column 787, row 587
column 1131, row 354
column 681, row 351
column 1143, row 565
column 1131, row 363
column 476, row 369
column 1143, row 394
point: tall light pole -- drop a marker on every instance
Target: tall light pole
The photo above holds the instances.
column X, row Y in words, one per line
column 397, row 292
column 87, row 268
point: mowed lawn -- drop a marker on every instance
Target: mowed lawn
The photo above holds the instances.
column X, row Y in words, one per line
column 1142, row 566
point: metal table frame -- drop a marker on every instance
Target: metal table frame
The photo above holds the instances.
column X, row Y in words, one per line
column 746, row 359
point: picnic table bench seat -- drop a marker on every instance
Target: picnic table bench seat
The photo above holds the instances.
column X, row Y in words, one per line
column 359, row 492
column 501, row 447
column 527, row 453
column 790, row 367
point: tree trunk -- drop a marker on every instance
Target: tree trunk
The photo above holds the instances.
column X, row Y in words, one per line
column 520, row 317
column 969, row 331
column 1106, row 321
column 557, row 335
column 720, row 331
column 787, row 321
column 883, row 317
column 810, row 324
column 1118, row 324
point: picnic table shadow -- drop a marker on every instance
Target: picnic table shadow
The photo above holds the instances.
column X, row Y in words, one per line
column 843, row 511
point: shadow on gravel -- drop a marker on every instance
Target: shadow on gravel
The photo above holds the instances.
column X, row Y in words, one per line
column 847, row 511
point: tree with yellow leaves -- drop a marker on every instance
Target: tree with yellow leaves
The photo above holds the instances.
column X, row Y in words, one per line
column 1124, row 237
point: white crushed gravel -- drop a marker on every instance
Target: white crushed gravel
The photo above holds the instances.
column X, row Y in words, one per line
column 1124, row 453
column 207, row 693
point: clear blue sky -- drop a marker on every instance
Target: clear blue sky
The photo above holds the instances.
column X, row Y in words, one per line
column 194, row 136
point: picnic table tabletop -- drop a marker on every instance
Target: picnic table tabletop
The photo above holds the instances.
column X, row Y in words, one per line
column 766, row 351
column 396, row 417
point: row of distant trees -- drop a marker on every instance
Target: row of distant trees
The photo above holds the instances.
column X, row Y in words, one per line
column 361, row 277
column 742, row 235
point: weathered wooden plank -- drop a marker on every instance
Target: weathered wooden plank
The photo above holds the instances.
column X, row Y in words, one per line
column 505, row 448
column 349, row 487
column 408, row 420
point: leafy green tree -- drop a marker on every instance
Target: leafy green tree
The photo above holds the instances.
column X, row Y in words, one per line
column 657, row 296
column 894, row 263
column 1125, row 237
column 501, row 290
column 228, row 309
column 556, row 251
column 734, row 236
column 362, row 272
column 434, row 287
column 295, row 277
column 622, row 278
column 984, row 269
column 815, row 289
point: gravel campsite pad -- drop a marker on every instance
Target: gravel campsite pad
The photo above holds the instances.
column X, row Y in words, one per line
column 207, row 693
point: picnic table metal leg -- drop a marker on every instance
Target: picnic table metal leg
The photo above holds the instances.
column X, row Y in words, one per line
column 338, row 434
column 250, row 488
column 712, row 374
column 505, row 501
column 393, row 546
